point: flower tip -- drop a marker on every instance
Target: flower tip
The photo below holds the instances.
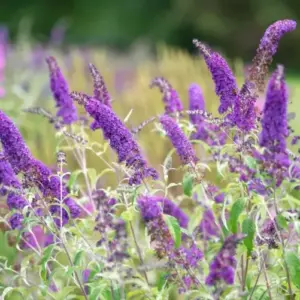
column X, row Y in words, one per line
column 200, row 46
column 79, row 97
column 52, row 63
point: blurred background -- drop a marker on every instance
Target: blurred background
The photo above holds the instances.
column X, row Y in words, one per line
column 233, row 26
column 130, row 42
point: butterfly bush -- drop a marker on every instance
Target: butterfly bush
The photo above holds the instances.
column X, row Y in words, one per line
column 220, row 222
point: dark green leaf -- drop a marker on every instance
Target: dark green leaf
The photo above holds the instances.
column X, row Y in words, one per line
column 248, row 227
column 174, row 229
column 236, row 209
column 187, row 184
column 293, row 263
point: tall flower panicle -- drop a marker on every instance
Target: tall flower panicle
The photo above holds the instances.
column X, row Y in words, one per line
column 244, row 112
column 223, row 265
column 179, row 140
column 196, row 103
column 274, row 121
column 67, row 110
column 225, row 82
column 14, row 147
column 266, row 50
column 170, row 96
column 119, row 137
column 100, row 90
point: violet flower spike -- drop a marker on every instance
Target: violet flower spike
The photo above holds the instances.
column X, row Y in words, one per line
column 179, row 140
column 18, row 155
column 266, row 50
column 170, row 96
column 223, row 265
column 196, row 103
column 59, row 87
column 119, row 137
column 274, row 121
column 100, row 90
column 225, row 82
column 244, row 113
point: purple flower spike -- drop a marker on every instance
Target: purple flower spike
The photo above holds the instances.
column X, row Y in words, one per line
column 274, row 121
column 225, row 82
column 244, row 113
column 208, row 226
column 21, row 160
column 170, row 97
column 179, row 140
column 59, row 87
column 16, row 220
column 119, row 137
column 224, row 264
column 267, row 49
column 196, row 103
column 152, row 207
column 100, row 90
column 14, row 147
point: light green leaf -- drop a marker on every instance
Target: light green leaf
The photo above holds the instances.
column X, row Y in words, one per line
column 281, row 221
column 248, row 227
column 187, row 184
column 293, row 263
column 174, row 229
column 236, row 209
column 77, row 257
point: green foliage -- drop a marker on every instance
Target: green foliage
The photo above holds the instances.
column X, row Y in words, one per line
column 293, row 263
column 187, row 184
column 248, row 227
column 174, row 229
column 236, row 209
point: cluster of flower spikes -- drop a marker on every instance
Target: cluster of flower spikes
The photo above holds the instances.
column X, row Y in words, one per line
column 66, row 109
column 215, row 193
column 171, row 99
column 119, row 137
column 106, row 222
column 210, row 133
column 178, row 139
column 187, row 257
column 224, row 263
column 20, row 159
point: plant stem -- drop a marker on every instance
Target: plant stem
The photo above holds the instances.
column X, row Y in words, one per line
column 138, row 250
column 267, row 281
column 245, row 273
column 278, row 230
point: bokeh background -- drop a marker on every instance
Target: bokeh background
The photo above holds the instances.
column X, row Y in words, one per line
column 231, row 25
column 131, row 42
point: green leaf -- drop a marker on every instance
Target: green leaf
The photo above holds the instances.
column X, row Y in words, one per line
column 248, row 227
column 77, row 257
column 236, row 209
column 128, row 214
column 73, row 178
column 293, row 263
column 174, row 229
column 162, row 280
column 281, row 221
column 187, row 184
